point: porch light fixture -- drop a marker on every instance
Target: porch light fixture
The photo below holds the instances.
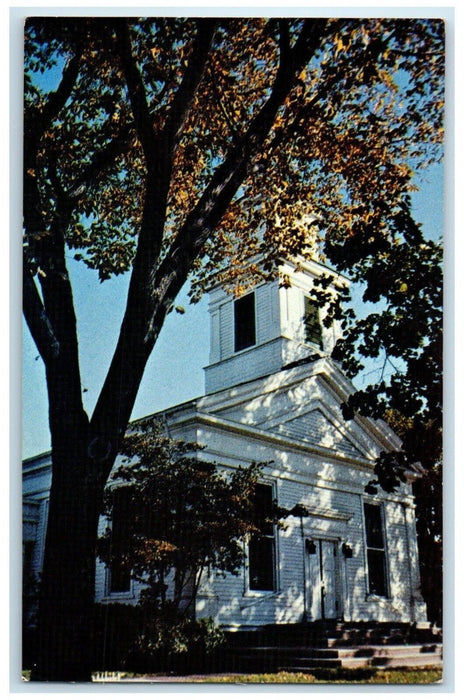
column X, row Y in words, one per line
column 347, row 550
column 310, row 547
column 299, row 511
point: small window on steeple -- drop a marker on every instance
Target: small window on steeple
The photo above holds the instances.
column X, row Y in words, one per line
column 244, row 322
column 312, row 324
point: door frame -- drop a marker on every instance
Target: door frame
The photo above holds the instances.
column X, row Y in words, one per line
column 316, row 559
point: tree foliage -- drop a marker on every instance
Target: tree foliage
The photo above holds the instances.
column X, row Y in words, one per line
column 428, row 493
column 406, row 334
column 182, row 148
column 185, row 518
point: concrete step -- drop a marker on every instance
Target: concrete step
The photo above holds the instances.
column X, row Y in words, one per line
column 313, row 665
column 418, row 660
column 366, row 662
column 336, row 645
column 399, row 651
column 342, row 652
column 414, row 661
column 307, row 658
column 338, row 634
column 379, row 640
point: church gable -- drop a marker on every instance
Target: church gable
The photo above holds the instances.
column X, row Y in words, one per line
column 298, row 406
column 315, row 428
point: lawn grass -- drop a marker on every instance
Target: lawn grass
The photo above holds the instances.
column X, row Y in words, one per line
column 416, row 676
column 370, row 676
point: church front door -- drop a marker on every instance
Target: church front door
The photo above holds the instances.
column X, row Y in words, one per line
column 324, row 580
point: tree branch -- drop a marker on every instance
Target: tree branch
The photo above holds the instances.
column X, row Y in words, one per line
column 53, row 326
column 37, row 319
column 137, row 94
column 101, row 160
column 284, row 41
column 199, row 224
column 159, row 153
column 235, row 132
column 191, row 79
column 37, row 121
column 182, row 101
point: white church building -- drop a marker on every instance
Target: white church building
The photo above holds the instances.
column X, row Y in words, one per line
column 273, row 395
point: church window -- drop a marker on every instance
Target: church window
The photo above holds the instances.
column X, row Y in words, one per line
column 312, row 324
column 245, row 322
column 120, row 573
column 261, row 547
column 375, row 546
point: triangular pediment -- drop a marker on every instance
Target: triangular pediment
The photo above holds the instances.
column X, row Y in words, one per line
column 301, row 405
column 315, row 428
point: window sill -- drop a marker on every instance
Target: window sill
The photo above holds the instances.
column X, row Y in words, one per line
column 260, row 594
column 243, row 350
column 375, row 597
column 123, row 595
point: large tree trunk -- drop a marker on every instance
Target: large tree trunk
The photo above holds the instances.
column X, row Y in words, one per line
column 83, row 451
column 67, row 591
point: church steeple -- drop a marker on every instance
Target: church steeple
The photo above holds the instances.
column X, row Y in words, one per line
column 269, row 328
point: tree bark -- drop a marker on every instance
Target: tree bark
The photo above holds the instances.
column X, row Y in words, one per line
column 67, row 589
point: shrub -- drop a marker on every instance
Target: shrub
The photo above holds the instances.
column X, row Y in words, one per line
column 132, row 638
column 181, row 646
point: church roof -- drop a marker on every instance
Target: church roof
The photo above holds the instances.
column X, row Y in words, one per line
column 299, row 405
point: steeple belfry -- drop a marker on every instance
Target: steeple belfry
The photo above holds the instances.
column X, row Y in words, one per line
column 269, row 328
